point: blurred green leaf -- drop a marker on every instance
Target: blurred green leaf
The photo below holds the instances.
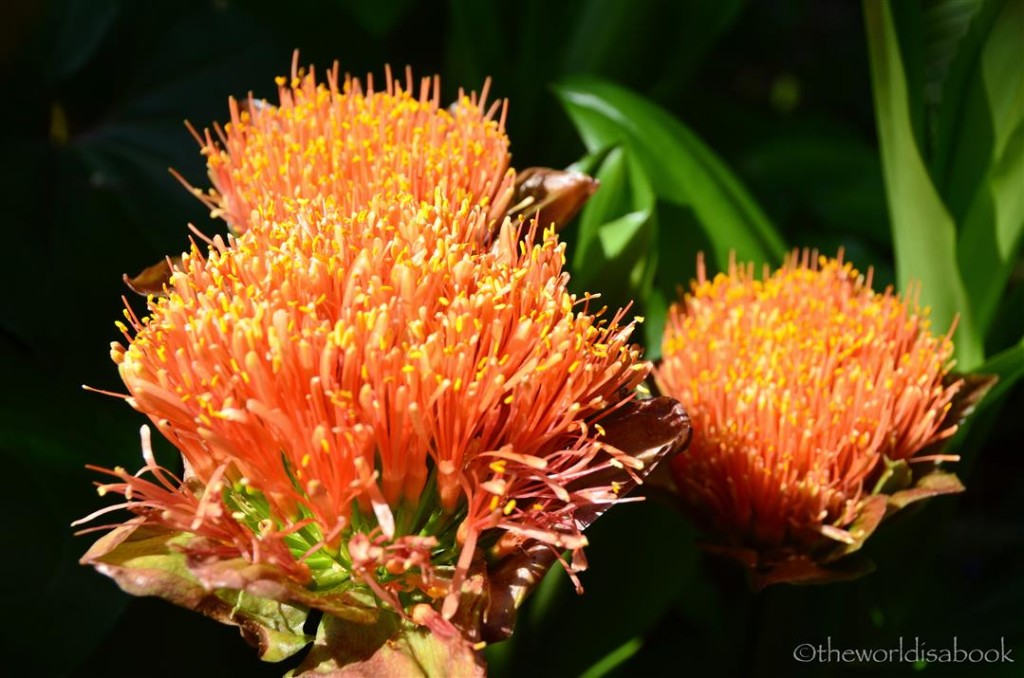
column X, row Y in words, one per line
column 909, row 38
column 832, row 174
column 610, row 201
column 681, row 169
column 591, row 162
column 610, row 38
column 982, row 102
column 598, row 33
column 980, row 152
column 991, row 233
column 614, row 252
column 945, row 24
column 924, row 234
column 83, row 25
column 623, row 250
column 613, row 659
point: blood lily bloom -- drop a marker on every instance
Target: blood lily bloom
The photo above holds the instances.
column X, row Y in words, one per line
column 336, row 144
column 819, row 407
column 339, row 144
column 389, row 407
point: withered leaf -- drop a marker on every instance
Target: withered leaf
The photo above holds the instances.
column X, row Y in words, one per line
column 931, row 485
column 553, row 196
column 267, row 582
column 803, row 571
column 972, row 391
column 153, row 278
column 649, row 430
column 147, row 561
column 509, row 583
column 795, row 569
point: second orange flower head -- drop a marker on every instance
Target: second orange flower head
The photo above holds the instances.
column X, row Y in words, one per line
column 813, row 398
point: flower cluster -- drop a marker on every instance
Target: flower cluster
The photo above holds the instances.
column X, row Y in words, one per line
column 376, row 384
column 812, row 397
column 337, row 144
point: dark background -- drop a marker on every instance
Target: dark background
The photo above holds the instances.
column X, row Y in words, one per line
column 95, row 93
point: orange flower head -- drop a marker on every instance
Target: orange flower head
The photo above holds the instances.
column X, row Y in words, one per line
column 383, row 393
column 810, row 394
column 341, row 144
column 372, row 397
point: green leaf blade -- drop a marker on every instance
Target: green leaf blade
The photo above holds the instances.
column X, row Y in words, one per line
column 982, row 103
column 992, row 230
column 924, row 233
column 681, row 169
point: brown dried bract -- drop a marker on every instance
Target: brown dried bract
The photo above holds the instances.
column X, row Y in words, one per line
column 153, row 279
column 553, row 196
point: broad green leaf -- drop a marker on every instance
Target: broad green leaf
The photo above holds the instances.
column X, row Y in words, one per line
column 623, row 257
column 616, row 238
column 681, row 169
column 611, row 201
column 591, row 162
column 980, row 152
column 924, row 234
column 991, row 233
column 909, row 33
column 982, row 102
